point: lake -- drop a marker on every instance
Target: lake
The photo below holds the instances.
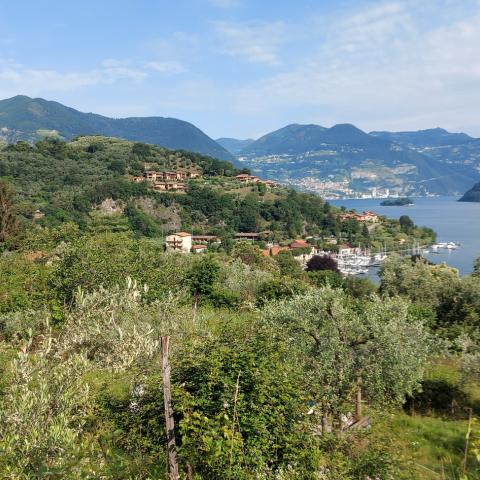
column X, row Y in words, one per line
column 453, row 221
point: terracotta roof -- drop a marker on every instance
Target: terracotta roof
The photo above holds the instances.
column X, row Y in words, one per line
column 183, row 234
column 299, row 244
column 199, row 247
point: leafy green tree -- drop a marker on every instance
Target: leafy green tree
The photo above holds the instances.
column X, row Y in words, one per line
column 140, row 222
column 406, row 224
column 8, row 219
column 202, row 276
column 336, row 341
column 288, row 265
column 108, row 259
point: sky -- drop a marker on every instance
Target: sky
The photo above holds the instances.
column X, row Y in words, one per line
column 242, row 68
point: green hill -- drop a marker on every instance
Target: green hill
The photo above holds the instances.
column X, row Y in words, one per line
column 473, row 195
column 25, row 118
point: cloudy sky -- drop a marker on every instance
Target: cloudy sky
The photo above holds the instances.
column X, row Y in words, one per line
column 245, row 67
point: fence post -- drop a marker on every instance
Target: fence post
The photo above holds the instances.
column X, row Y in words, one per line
column 169, row 421
column 358, row 403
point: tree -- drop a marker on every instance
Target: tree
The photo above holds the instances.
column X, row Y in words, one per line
column 336, row 341
column 288, row 265
column 406, row 224
column 202, row 276
column 140, row 222
column 476, row 268
column 324, row 262
column 8, row 219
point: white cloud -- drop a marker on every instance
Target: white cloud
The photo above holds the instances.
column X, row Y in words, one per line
column 17, row 78
column 254, row 42
column 381, row 68
column 167, row 67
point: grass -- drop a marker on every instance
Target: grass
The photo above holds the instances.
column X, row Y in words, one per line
column 433, row 445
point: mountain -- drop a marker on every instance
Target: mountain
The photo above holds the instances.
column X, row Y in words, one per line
column 457, row 150
column 434, row 137
column 234, row 145
column 29, row 119
column 473, row 195
column 344, row 160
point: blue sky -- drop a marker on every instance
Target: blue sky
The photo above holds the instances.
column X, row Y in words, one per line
column 242, row 68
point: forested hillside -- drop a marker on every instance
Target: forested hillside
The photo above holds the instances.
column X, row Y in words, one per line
column 89, row 180
column 25, row 118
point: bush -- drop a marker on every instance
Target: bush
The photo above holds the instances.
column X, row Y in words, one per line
column 322, row 263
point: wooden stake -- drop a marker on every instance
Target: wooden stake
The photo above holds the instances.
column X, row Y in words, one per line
column 169, row 421
column 358, row 404
column 467, row 440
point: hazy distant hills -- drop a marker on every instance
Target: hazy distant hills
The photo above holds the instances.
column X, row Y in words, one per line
column 344, row 160
column 29, row 119
column 473, row 195
column 233, row 145
column 434, row 137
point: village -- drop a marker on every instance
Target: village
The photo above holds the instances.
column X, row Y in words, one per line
column 351, row 260
column 174, row 181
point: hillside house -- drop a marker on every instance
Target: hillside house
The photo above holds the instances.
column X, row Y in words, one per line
column 180, row 242
column 199, row 248
column 152, row 176
column 274, row 250
column 206, row 238
column 269, row 183
column 247, row 179
column 138, row 179
column 169, row 187
column 346, row 250
column 363, row 217
column 371, row 216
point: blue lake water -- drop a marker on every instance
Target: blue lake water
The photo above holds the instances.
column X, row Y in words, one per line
column 453, row 221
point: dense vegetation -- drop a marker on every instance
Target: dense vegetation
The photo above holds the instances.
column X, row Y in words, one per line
column 266, row 358
column 397, row 202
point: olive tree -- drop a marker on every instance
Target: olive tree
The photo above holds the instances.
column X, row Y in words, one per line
column 337, row 340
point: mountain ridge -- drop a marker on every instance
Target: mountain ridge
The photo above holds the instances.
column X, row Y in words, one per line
column 26, row 118
column 312, row 156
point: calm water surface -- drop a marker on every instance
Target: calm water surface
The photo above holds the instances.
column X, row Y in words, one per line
column 453, row 221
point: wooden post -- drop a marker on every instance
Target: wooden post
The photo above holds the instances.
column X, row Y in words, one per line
column 358, row 403
column 169, row 421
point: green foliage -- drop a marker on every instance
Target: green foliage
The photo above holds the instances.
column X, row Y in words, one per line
column 455, row 300
column 337, row 340
column 202, row 276
column 24, row 284
column 288, row 265
column 140, row 222
column 8, row 220
column 108, row 259
column 277, row 289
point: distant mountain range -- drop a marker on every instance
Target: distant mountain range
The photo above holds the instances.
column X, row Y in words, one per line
column 343, row 160
column 25, row 118
column 234, row 145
